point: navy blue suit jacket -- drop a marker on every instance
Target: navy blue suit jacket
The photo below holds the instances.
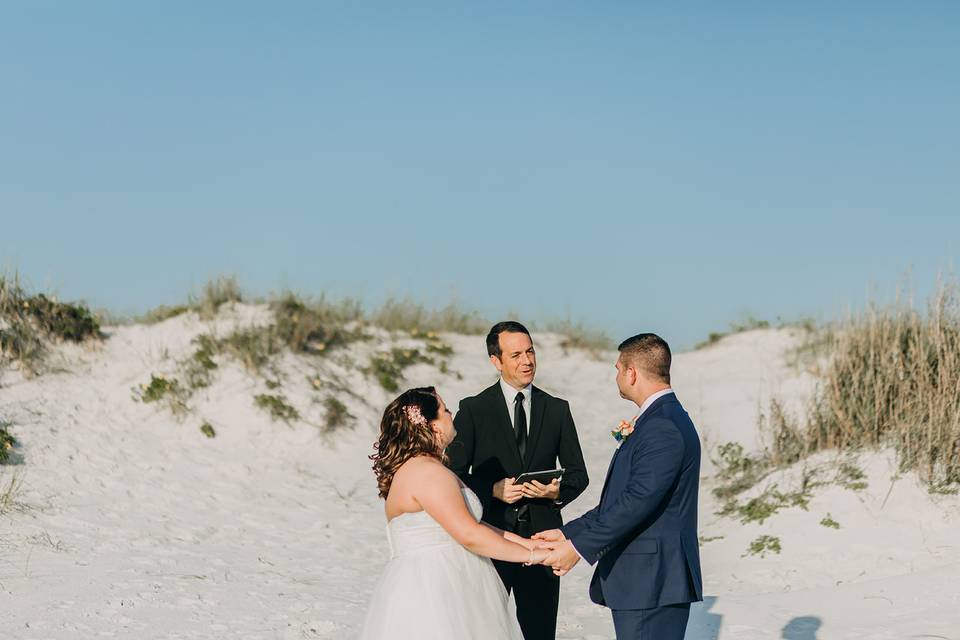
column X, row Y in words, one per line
column 643, row 534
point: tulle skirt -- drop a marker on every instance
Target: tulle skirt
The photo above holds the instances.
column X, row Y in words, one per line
column 440, row 593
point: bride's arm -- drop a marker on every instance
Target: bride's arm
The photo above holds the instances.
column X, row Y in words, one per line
column 512, row 537
column 438, row 492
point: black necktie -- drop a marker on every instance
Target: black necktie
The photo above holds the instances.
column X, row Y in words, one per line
column 520, row 423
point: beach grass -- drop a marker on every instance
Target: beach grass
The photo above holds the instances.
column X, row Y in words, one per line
column 891, row 378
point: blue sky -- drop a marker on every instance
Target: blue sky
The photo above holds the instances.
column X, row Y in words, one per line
column 634, row 166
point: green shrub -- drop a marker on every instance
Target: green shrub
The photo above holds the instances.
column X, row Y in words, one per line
column 199, row 366
column 7, row 442
column 164, row 389
column 253, row 346
column 207, row 429
column 830, row 522
column 20, row 342
column 305, row 328
column 763, row 545
column 72, row 322
column 851, row 477
column 277, row 406
column 439, row 348
column 765, row 505
column 197, row 374
column 737, row 471
column 336, row 414
column 26, row 321
column 314, row 327
column 158, row 388
column 387, row 367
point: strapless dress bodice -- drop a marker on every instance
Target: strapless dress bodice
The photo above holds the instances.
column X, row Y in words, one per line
column 410, row 533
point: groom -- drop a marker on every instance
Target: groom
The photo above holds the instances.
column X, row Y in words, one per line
column 507, row 429
column 643, row 534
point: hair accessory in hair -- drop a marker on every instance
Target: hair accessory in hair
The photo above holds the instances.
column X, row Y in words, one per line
column 414, row 415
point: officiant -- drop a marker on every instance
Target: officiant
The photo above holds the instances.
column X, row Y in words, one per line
column 511, row 428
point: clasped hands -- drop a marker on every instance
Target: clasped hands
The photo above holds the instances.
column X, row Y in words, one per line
column 506, row 491
column 553, row 549
column 561, row 556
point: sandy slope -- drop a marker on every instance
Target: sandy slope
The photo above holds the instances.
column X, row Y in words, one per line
column 131, row 524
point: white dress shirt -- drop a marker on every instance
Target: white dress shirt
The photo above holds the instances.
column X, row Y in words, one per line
column 510, row 395
column 649, row 401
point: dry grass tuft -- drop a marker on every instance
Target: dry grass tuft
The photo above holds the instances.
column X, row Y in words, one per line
column 579, row 336
column 891, row 378
column 10, row 495
column 215, row 294
column 409, row 316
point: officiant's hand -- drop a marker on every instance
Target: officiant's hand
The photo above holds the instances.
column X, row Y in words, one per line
column 562, row 557
column 535, row 489
column 506, row 491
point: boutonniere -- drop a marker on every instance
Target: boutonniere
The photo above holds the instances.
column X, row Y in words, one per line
column 623, row 431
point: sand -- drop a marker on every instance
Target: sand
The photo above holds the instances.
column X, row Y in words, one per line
column 130, row 523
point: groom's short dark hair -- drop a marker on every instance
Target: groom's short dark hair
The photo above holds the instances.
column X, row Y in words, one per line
column 493, row 338
column 649, row 353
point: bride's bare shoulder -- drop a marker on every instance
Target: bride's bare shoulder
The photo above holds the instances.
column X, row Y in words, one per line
column 424, row 467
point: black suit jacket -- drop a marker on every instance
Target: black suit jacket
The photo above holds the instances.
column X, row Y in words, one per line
column 485, row 451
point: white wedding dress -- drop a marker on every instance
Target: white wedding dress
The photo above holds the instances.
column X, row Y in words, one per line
column 435, row 589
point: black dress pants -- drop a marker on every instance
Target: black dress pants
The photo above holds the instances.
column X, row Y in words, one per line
column 537, row 593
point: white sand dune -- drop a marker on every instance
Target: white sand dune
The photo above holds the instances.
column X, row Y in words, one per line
column 131, row 524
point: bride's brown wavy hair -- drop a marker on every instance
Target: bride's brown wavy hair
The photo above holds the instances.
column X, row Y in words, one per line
column 400, row 439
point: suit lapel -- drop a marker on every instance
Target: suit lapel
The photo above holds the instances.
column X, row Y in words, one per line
column 670, row 397
column 606, row 480
column 498, row 407
column 537, row 406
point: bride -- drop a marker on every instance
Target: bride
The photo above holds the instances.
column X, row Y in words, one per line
column 439, row 583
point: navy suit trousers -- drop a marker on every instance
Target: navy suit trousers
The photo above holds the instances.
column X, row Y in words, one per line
column 661, row 623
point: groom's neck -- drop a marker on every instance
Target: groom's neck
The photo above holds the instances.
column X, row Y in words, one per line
column 646, row 392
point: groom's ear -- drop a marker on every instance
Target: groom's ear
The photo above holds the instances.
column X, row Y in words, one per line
column 495, row 361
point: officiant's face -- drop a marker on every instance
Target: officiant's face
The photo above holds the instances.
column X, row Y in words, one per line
column 517, row 362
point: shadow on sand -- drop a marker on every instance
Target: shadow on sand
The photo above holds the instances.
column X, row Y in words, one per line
column 703, row 625
column 802, row 628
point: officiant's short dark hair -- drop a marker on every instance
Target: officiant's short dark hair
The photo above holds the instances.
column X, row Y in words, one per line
column 493, row 338
column 648, row 352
